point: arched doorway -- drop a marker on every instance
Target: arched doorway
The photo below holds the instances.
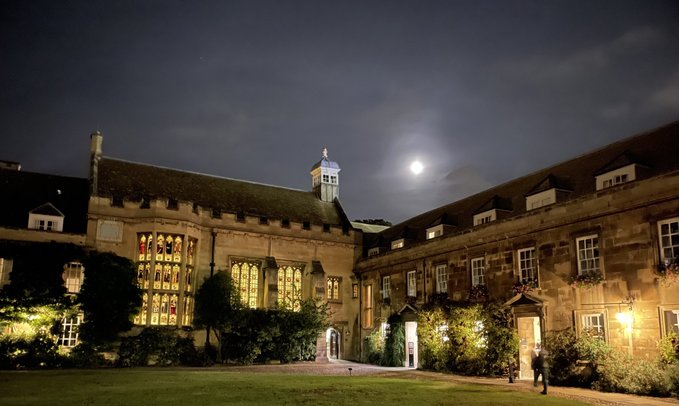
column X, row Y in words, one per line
column 333, row 339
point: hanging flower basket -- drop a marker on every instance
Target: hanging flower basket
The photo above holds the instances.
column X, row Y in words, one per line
column 478, row 293
column 587, row 279
column 524, row 286
column 668, row 271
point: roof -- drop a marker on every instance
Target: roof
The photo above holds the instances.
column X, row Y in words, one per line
column 326, row 163
column 28, row 191
column 136, row 181
column 47, row 209
column 658, row 148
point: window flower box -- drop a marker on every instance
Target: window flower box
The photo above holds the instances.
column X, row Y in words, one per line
column 524, row 286
column 587, row 279
column 668, row 271
column 478, row 293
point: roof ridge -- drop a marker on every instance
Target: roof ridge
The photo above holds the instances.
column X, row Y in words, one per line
column 205, row 174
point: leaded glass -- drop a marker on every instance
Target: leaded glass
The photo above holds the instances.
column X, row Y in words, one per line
column 245, row 275
column 160, row 247
column 155, row 309
column 290, row 286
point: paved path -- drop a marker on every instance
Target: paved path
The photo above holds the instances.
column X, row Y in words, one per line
column 342, row 368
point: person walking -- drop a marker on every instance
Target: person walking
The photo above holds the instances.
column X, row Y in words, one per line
column 541, row 367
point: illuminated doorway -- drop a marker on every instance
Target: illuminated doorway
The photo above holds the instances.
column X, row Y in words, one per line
column 529, row 334
column 333, row 343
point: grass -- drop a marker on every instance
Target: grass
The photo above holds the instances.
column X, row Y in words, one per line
column 213, row 387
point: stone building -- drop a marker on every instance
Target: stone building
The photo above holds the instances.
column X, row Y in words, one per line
column 540, row 243
column 280, row 245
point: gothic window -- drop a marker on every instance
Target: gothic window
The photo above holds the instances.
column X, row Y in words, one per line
column 73, row 276
column 245, row 276
column 140, row 318
column 162, row 276
column 333, row 288
column 290, row 286
column 368, row 307
column 187, row 312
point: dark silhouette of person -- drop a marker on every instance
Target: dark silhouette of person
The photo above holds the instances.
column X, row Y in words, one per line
column 540, row 366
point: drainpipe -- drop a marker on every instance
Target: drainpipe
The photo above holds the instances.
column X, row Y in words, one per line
column 424, row 280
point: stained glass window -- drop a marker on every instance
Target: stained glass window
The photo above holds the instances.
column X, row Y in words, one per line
column 168, row 272
column 245, row 276
column 333, row 289
column 290, row 286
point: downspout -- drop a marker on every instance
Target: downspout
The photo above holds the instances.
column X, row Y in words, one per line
column 424, row 279
column 212, row 272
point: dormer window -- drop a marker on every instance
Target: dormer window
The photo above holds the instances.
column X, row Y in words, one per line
column 396, row 244
column 616, row 177
column 541, row 199
column 172, row 204
column 373, row 251
column 485, row 217
column 434, row 232
column 46, row 218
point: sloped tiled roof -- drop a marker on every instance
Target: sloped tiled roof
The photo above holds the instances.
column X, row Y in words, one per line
column 622, row 160
column 135, row 181
column 550, row 182
column 325, row 163
column 47, row 209
column 25, row 191
column 495, row 202
column 659, row 148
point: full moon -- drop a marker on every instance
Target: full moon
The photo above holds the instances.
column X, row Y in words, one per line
column 416, row 167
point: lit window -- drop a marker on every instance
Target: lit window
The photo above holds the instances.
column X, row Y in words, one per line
column 442, row 278
column 671, row 321
column 333, row 288
column 528, row 265
column 165, row 264
column 68, row 337
column 368, row 307
column 588, row 254
column 669, row 240
column 354, row 291
column 478, row 271
column 73, row 276
column 397, row 244
column 412, row 284
column 5, row 270
column 594, row 324
column 434, row 232
column 290, row 286
column 386, row 287
column 245, row 276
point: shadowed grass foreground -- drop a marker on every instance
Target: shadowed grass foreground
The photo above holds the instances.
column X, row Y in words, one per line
column 216, row 387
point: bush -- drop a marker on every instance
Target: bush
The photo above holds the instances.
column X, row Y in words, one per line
column 39, row 351
column 157, row 346
column 394, row 343
column 668, row 347
column 86, row 355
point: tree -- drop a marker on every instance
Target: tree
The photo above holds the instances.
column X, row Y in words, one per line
column 218, row 307
column 109, row 297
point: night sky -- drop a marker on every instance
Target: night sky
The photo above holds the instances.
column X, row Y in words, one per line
column 480, row 92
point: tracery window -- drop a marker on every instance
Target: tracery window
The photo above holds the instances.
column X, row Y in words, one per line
column 333, row 288
column 290, row 286
column 245, row 276
column 165, row 273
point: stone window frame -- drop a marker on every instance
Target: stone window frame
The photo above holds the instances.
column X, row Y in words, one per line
column 535, row 272
column 478, row 273
column 664, row 247
column 441, row 273
column 580, row 259
column 411, row 283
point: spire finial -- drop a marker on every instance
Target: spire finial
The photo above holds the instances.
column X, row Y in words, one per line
column 325, row 153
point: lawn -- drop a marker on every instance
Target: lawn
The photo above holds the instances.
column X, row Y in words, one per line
column 202, row 387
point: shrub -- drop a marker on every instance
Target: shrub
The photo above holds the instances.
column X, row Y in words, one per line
column 86, row 355
column 668, row 347
column 162, row 346
column 39, row 351
column 394, row 343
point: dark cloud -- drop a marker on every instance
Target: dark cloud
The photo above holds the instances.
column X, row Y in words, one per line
column 481, row 92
